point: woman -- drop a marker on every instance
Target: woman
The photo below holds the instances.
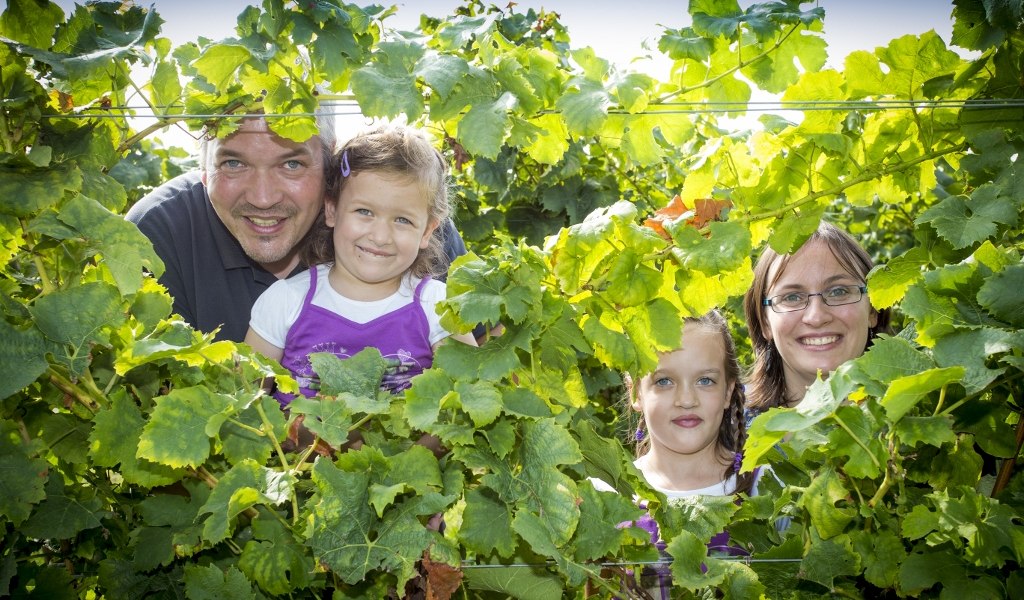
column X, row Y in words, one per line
column 808, row 312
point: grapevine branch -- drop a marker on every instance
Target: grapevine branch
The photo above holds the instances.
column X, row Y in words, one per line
column 729, row 72
column 837, row 189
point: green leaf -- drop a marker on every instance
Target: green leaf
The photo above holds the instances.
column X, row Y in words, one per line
column 329, row 418
column 971, row 350
column 585, row 109
column 933, row 431
column 239, row 444
column 481, row 400
column 828, row 560
column 274, row 559
column 599, row 534
column 905, row 392
column 24, row 476
column 684, row 43
column 688, row 554
column 822, row 495
column 76, row 317
column 861, row 431
column 521, row 582
column 211, row 583
column 27, row 193
column 888, row 282
column 63, row 514
column 115, row 439
column 486, row 523
column 346, row 536
column 22, row 357
column 219, row 62
column 921, row 571
column 1000, row 294
column 482, row 129
column 387, row 91
column 964, row 223
column 126, row 252
column 881, row 553
column 176, row 434
column 713, row 18
column 28, row 22
column 243, row 486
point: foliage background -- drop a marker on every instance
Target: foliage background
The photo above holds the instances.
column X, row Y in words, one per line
column 141, row 459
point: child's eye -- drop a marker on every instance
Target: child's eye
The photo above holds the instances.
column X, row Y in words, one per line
column 403, row 221
column 364, row 212
column 663, row 381
column 705, row 381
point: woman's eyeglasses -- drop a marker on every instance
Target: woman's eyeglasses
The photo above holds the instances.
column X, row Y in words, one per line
column 833, row 296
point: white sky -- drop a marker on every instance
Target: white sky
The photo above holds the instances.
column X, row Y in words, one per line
column 616, row 30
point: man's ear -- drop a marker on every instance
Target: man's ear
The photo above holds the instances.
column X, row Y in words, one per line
column 202, row 176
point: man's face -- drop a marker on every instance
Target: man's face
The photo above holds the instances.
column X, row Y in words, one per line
column 267, row 190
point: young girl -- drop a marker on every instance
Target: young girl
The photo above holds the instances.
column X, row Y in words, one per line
column 372, row 251
column 691, row 432
column 808, row 312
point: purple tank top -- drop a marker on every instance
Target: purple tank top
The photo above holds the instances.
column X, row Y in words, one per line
column 402, row 336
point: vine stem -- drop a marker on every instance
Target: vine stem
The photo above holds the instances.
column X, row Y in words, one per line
column 860, row 443
column 267, row 425
column 838, row 188
column 742, row 63
column 65, row 385
column 1006, row 469
column 44, row 277
column 942, row 400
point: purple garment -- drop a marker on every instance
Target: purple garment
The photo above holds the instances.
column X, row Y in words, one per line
column 402, row 336
column 660, row 576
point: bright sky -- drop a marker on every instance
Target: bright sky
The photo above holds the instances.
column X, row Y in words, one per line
column 616, row 30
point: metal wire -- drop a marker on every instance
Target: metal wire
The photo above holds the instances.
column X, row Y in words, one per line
column 679, row 108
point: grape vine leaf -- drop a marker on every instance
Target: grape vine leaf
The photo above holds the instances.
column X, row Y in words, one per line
column 689, row 554
column 905, row 392
column 243, row 486
column 486, row 521
column 62, row 515
column 830, row 559
column 209, row 582
column 601, row 514
column 114, row 440
column 75, row 318
column 274, row 559
column 24, row 476
column 22, row 357
column 126, row 252
column 176, row 433
column 1000, row 294
column 964, row 223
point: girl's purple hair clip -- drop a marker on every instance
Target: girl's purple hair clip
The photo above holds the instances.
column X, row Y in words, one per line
column 737, row 462
column 346, row 170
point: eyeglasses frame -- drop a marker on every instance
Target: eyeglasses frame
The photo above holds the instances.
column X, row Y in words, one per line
column 775, row 308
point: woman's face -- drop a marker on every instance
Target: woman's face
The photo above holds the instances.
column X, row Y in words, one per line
column 819, row 337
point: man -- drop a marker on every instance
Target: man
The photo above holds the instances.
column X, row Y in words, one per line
column 226, row 233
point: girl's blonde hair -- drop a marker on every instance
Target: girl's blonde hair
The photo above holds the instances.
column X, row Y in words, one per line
column 732, row 433
column 398, row 151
